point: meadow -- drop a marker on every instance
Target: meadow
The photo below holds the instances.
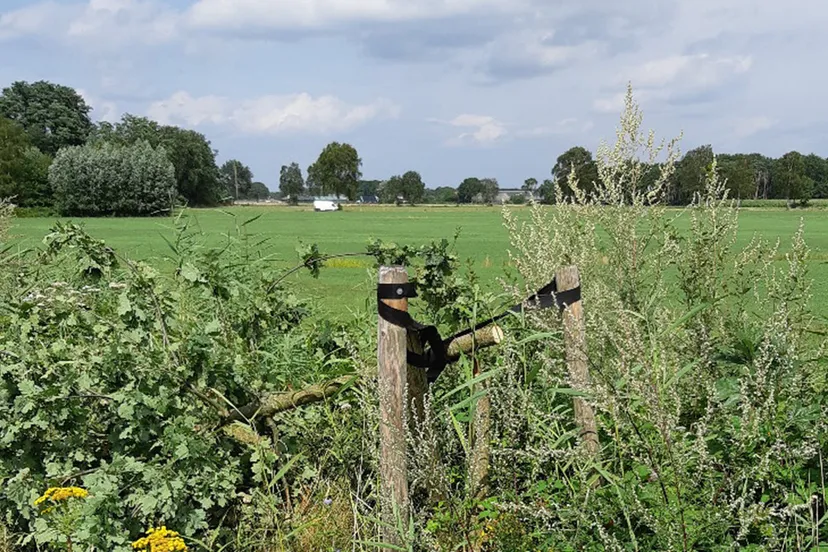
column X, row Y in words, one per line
column 346, row 284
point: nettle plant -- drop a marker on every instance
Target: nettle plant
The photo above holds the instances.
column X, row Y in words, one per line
column 707, row 374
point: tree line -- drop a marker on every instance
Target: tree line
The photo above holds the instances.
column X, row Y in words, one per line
column 53, row 156
column 794, row 177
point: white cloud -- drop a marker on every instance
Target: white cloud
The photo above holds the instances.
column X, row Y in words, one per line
column 569, row 125
column 480, row 129
column 672, row 77
column 271, row 114
column 125, row 21
column 523, row 53
column 485, row 130
column 701, row 70
column 103, row 23
column 102, row 110
column 293, row 14
column 31, row 19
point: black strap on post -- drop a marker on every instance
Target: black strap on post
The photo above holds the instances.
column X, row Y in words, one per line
column 434, row 359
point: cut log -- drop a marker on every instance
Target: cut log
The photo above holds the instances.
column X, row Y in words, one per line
column 280, row 402
column 482, row 338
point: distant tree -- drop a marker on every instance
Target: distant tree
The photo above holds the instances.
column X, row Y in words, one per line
column 530, row 185
column 109, row 179
column 390, row 191
column 258, row 191
column 816, row 168
column 790, row 179
column 237, row 179
column 369, row 187
column 690, row 176
column 489, row 190
column 413, row 187
column 469, row 189
column 314, row 189
column 24, row 169
column 54, row 116
column 196, row 172
column 586, row 170
column 738, row 173
column 443, row 194
column 547, row 192
column 291, row 183
column 406, row 188
column 337, row 170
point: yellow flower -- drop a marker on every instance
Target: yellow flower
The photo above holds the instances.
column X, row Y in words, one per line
column 60, row 494
column 160, row 539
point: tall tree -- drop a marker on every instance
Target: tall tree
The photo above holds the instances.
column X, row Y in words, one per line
column 391, row 190
column 413, row 187
column 691, row 175
column 409, row 188
column 237, row 179
column 54, row 116
column 816, row 168
column 530, row 185
column 547, row 191
column 24, row 169
column 790, row 179
column 469, row 189
column 258, row 191
column 737, row 170
column 196, row 172
column 337, row 170
column 291, row 183
column 586, row 170
column 489, row 190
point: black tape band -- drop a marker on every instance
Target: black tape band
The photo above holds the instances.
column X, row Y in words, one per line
column 396, row 291
column 434, row 359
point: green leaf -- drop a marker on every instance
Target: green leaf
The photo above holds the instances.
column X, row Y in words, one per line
column 191, row 273
column 124, row 304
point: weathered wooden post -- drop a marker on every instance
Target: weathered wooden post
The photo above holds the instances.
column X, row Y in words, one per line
column 569, row 278
column 391, row 377
column 480, row 450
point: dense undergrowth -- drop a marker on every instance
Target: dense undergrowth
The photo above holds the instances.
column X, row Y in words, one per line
column 709, row 388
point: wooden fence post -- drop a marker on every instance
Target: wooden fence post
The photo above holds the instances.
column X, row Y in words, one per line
column 391, row 377
column 480, row 450
column 576, row 358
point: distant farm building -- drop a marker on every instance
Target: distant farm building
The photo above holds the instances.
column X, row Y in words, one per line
column 504, row 195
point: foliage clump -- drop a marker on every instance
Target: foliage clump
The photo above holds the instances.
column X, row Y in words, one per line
column 107, row 179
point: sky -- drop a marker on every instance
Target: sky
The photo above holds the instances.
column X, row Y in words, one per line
column 450, row 88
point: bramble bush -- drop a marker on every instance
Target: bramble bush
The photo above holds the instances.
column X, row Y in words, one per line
column 707, row 376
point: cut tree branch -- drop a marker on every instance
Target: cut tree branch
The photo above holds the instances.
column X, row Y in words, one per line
column 281, row 402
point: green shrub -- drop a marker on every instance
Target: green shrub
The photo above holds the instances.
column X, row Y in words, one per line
column 107, row 179
column 114, row 377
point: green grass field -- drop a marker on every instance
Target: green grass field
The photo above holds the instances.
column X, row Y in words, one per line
column 345, row 283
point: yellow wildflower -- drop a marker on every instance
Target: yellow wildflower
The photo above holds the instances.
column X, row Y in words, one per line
column 160, row 539
column 60, row 494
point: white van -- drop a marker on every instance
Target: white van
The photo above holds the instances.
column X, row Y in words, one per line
column 323, row 205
